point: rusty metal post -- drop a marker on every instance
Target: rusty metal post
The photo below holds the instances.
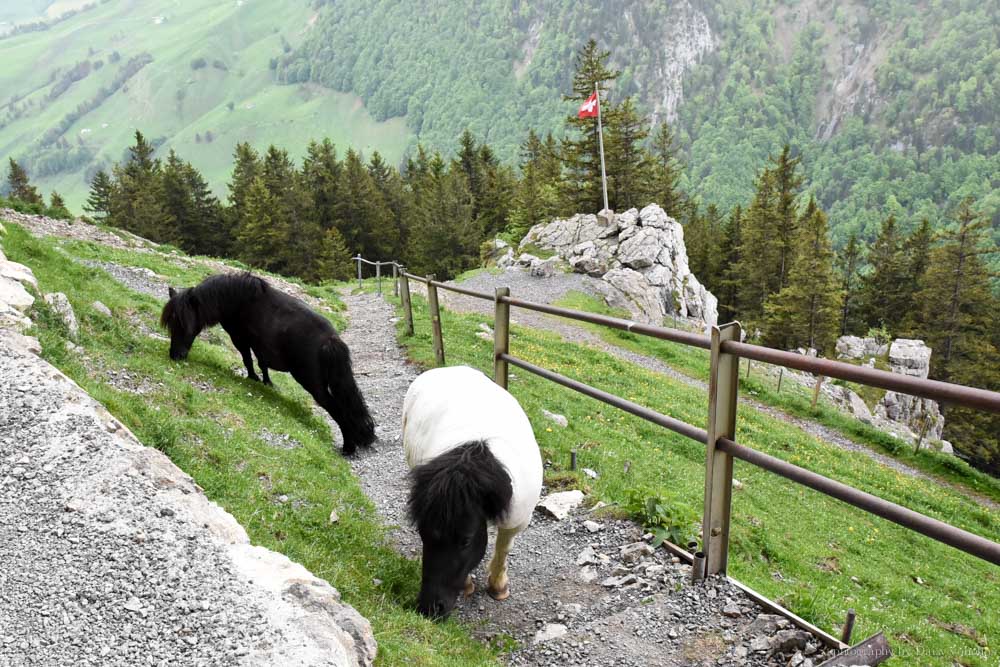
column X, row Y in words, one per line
column 501, row 336
column 748, row 368
column 781, row 374
column 404, row 292
column 845, row 636
column 432, row 302
column 722, row 386
column 378, row 276
column 358, row 260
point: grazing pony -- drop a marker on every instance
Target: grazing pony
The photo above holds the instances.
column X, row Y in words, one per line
column 474, row 461
column 283, row 333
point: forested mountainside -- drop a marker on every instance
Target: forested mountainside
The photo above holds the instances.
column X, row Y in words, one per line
column 893, row 104
column 195, row 76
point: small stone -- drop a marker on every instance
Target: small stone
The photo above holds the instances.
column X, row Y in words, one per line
column 592, row 474
column 759, row 644
column 593, row 526
column 633, row 553
column 618, row 582
column 731, row 610
column 790, row 640
column 741, row 652
column 558, row 419
column 560, row 504
column 101, row 308
column 334, row 517
column 549, row 632
column 588, row 575
column 132, row 604
column 737, row 484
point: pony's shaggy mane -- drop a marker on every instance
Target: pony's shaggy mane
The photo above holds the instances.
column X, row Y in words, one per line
column 206, row 303
column 443, row 489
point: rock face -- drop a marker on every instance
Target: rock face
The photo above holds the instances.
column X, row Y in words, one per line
column 911, row 357
column 855, row 347
column 640, row 256
column 61, row 305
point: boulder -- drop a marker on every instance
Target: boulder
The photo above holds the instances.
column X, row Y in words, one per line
column 544, row 268
column 639, row 254
column 855, row 347
column 909, row 356
column 13, row 319
column 14, row 295
column 61, row 305
column 101, row 308
column 851, row 402
column 18, row 272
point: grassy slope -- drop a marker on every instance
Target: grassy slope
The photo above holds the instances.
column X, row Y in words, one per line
column 792, row 544
column 215, row 436
column 244, row 37
column 793, row 398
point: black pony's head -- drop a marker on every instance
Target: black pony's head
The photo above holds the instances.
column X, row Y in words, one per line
column 180, row 317
column 452, row 497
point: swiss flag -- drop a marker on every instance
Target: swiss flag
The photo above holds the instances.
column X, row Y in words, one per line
column 589, row 108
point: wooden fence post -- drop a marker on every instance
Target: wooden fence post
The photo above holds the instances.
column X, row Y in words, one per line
column 404, row 292
column 432, row 302
column 501, row 336
column 722, row 386
column 395, row 279
column 378, row 276
column 819, row 383
column 358, row 260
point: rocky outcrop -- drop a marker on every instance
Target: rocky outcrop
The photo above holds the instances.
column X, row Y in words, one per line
column 113, row 554
column 900, row 414
column 640, row 257
column 911, row 357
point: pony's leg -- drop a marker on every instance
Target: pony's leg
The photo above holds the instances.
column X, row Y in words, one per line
column 499, row 586
column 248, row 362
column 263, row 371
column 470, row 586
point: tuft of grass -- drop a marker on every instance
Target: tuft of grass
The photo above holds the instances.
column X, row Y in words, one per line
column 783, row 535
column 216, row 436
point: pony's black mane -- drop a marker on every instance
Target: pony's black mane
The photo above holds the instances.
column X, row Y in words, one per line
column 444, row 488
column 205, row 304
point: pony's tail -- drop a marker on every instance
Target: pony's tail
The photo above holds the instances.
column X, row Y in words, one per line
column 348, row 405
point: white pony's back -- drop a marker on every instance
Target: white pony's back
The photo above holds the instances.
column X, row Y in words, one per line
column 447, row 407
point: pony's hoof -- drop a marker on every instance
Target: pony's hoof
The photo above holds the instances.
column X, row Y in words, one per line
column 470, row 587
column 350, row 451
column 501, row 594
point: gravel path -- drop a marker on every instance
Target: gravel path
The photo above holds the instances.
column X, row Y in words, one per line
column 548, row 290
column 605, row 607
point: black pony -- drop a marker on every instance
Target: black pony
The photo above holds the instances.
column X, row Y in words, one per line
column 283, row 333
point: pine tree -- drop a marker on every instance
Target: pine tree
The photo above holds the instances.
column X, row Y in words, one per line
column 787, row 182
column 20, row 188
column 759, row 254
column 536, row 194
column 99, row 202
column 916, row 250
column 496, row 191
column 57, row 207
column 363, row 218
column 390, row 186
column 260, row 236
column 958, row 318
column 667, row 174
column 322, row 172
column 333, row 261
column 137, row 197
column 848, row 265
column 883, row 290
column 806, row 313
column 246, row 168
column 580, row 149
column 629, row 165
column 729, row 278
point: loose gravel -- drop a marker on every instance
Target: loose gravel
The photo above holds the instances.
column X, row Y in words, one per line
column 98, row 569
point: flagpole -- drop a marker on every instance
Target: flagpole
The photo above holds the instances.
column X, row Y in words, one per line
column 600, row 141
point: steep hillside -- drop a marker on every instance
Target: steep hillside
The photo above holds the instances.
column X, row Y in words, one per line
column 194, row 76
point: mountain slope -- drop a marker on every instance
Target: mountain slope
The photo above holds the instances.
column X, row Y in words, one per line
column 194, row 76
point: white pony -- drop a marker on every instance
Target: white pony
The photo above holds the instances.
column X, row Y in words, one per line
column 474, row 461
